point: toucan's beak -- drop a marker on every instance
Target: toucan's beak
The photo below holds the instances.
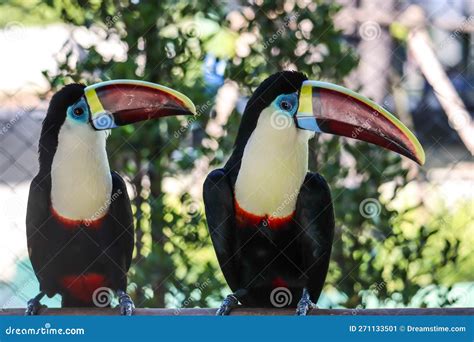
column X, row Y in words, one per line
column 122, row 102
column 329, row 108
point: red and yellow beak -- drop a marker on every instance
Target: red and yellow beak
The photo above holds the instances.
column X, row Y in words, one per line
column 122, row 102
column 329, row 108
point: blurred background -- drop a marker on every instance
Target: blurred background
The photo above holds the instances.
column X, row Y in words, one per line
column 404, row 233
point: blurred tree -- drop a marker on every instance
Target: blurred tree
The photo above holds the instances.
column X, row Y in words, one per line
column 187, row 46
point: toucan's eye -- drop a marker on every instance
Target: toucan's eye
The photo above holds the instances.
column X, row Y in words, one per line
column 285, row 105
column 78, row 111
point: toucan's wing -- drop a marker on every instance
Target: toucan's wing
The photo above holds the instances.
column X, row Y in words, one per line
column 122, row 220
column 37, row 217
column 315, row 217
column 220, row 215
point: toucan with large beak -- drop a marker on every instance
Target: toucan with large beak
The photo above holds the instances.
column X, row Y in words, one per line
column 271, row 221
column 79, row 222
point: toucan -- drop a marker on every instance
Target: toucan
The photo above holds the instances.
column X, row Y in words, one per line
column 271, row 221
column 79, row 222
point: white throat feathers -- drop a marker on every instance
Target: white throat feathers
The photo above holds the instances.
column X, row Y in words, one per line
column 81, row 182
column 274, row 166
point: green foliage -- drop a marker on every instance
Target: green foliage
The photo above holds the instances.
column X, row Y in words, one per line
column 166, row 43
column 18, row 13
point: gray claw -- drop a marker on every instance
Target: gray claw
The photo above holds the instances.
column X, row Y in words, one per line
column 32, row 307
column 304, row 306
column 127, row 308
column 227, row 305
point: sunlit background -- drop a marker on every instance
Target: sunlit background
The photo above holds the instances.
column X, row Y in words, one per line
column 405, row 234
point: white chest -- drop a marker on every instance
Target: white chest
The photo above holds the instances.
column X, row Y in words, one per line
column 273, row 168
column 81, row 182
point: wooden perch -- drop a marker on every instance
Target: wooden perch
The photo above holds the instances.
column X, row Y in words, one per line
column 250, row 312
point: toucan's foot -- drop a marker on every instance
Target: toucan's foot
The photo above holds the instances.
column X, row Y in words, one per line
column 305, row 304
column 127, row 308
column 227, row 305
column 34, row 305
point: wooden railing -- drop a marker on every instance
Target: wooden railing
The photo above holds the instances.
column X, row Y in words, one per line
column 250, row 312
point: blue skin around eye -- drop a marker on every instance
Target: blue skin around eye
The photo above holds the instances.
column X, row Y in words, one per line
column 289, row 98
column 84, row 117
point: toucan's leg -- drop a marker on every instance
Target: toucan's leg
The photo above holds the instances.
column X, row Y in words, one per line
column 305, row 304
column 230, row 302
column 33, row 305
column 127, row 308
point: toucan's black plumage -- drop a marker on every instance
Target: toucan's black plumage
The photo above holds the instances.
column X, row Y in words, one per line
column 271, row 221
column 257, row 258
column 76, row 257
column 79, row 222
